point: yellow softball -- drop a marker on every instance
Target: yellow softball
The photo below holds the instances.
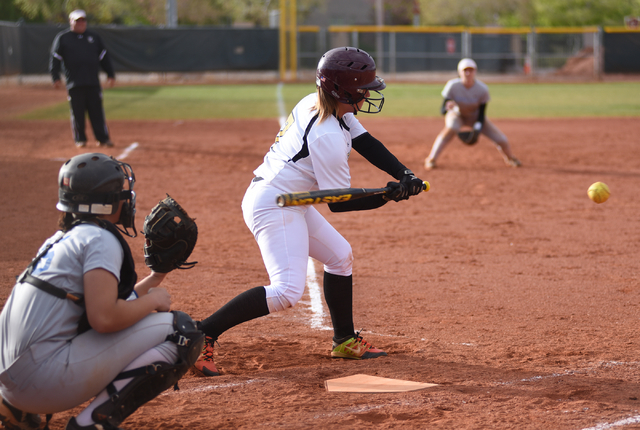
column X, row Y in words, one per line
column 599, row 192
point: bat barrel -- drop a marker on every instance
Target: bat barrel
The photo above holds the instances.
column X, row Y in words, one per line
column 335, row 195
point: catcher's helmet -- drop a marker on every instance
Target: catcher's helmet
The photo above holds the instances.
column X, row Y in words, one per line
column 93, row 184
column 347, row 74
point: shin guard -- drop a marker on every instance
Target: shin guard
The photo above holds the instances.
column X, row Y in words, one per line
column 153, row 379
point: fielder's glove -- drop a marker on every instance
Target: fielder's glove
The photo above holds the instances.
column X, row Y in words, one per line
column 170, row 236
column 471, row 137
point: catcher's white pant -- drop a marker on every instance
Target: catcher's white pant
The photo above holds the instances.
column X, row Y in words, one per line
column 84, row 367
column 287, row 237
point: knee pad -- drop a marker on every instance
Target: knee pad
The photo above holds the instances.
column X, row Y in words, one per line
column 187, row 337
column 153, row 379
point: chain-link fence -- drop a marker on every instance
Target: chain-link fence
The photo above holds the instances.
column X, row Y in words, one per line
column 433, row 49
column 588, row 51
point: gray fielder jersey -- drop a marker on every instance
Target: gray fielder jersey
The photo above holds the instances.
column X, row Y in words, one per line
column 467, row 99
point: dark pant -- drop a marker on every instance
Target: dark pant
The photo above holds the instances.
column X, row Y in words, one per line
column 87, row 99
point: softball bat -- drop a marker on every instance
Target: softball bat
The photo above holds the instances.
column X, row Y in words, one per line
column 334, row 195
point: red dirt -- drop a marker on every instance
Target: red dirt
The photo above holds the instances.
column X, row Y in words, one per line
column 507, row 287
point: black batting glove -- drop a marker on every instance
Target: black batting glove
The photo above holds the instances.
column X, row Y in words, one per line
column 413, row 185
column 398, row 192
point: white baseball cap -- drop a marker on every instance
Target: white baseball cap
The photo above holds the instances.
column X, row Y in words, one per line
column 77, row 14
column 466, row 63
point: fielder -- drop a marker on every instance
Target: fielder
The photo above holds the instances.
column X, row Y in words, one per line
column 68, row 332
column 311, row 152
column 465, row 103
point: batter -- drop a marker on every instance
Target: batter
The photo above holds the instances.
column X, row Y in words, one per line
column 465, row 103
column 311, row 152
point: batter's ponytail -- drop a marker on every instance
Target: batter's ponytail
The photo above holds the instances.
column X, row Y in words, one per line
column 326, row 105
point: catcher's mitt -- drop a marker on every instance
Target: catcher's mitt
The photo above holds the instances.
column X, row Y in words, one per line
column 469, row 137
column 170, row 236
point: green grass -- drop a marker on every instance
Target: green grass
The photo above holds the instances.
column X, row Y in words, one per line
column 524, row 100
column 401, row 100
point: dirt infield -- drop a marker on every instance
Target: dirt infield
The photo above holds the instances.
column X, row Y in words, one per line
column 507, row 287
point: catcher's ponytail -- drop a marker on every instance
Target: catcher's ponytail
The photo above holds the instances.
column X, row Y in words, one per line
column 65, row 221
column 68, row 220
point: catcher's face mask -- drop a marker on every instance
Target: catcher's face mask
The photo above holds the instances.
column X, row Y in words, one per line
column 128, row 213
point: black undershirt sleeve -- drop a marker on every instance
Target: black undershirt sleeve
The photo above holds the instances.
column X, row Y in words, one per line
column 443, row 109
column 363, row 204
column 377, row 154
column 483, row 106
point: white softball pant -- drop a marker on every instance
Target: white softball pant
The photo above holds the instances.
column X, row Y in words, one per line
column 82, row 368
column 454, row 122
column 287, row 237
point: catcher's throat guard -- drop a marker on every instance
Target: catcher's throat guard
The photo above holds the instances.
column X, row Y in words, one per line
column 149, row 381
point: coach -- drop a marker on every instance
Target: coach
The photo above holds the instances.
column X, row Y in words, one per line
column 81, row 53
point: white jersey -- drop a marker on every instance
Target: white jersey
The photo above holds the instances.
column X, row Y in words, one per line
column 467, row 99
column 39, row 323
column 310, row 155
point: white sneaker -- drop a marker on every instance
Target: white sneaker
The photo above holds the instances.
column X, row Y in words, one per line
column 429, row 164
column 513, row 162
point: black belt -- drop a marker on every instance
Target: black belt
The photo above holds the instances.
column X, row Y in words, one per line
column 257, row 179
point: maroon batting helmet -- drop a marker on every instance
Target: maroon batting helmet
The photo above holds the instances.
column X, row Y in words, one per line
column 347, row 74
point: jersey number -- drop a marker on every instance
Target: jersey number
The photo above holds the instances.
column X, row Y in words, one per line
column 285, row 127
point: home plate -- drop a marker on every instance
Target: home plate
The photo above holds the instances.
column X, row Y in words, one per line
column 372, row 384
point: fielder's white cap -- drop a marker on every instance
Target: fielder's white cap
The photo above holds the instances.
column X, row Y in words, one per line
column 77, row 14
column 466, row 63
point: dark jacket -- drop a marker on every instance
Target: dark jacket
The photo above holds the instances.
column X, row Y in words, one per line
column 81, row 56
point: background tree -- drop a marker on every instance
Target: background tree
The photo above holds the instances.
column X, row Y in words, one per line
column 508, row 13
column 584, row 12
column 527, row 12
column 148, row 12
column 477, row 12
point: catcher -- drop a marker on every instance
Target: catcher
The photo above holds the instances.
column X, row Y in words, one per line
column 464, row 105
column 78, row 324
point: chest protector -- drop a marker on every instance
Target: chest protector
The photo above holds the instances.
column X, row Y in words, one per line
column 128, row 276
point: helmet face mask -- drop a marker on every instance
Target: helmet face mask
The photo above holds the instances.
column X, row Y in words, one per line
column 349, row 74
column 372, row 104
column 94, row 184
